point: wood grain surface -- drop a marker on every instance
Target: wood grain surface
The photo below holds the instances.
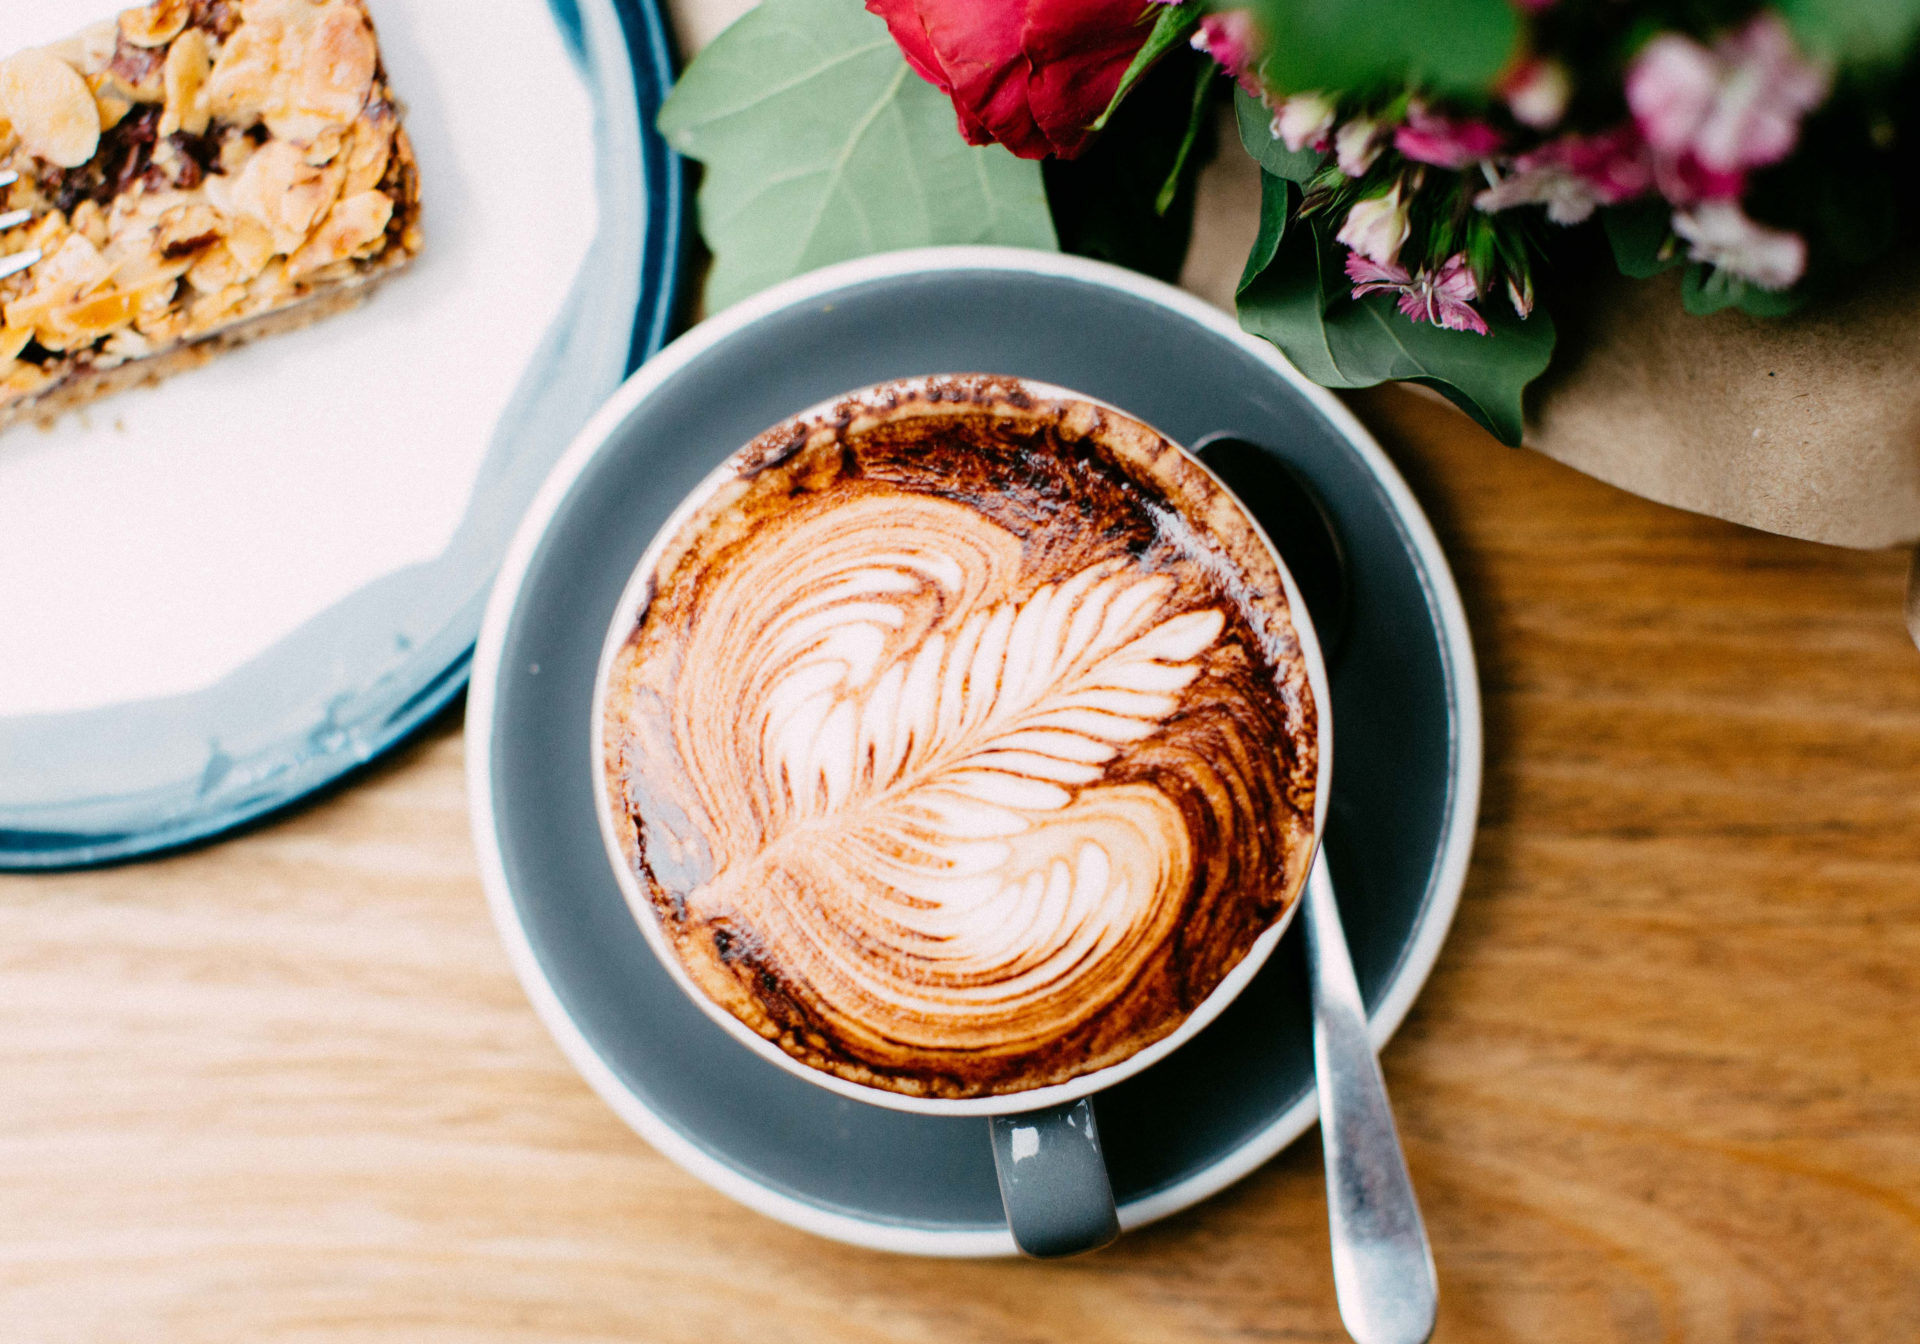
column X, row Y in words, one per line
column 1664, row 1085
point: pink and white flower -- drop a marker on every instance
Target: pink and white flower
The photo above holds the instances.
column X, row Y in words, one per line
column 1444, row 297
column 1377, row 226
column 1537, row 92
column 1445, row 142
column 1574, row 174
column 1710, row 114
column 1720, row 234
column 1357, row 144
column 1234, row 43
column 1304, row 121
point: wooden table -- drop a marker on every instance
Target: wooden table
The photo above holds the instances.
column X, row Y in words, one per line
column 1664, row 1086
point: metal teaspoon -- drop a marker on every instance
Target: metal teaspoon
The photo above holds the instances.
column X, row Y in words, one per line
column 1383, row 1274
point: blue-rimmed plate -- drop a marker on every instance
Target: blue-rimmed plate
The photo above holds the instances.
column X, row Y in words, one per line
column 218, row 595
column 1406, row 706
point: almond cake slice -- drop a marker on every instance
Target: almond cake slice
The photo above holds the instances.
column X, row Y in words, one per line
column 201, row 173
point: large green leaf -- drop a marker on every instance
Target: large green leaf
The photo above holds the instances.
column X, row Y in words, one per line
column 1641, row 236
column 1449, row 46
column 820, row 144
column 1298, row 300
column 1704, row 290
column 1873, row 32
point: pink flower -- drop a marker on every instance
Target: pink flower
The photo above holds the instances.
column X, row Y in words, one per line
column 1376, row 227
column 1443, row 298
column 1303, row 121
column 1357, row 144
column 1712, row 114
column 1572, row 175
column 1233, row 42
column 1537, row 92
column 1720, row 234
column 1445, row 142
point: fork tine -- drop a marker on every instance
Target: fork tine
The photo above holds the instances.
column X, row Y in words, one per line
column 18, row 262
column 8, row 177
column 14, row 217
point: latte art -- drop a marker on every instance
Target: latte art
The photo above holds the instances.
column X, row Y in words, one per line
column 947, row 763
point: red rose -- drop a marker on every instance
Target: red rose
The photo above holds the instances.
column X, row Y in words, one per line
column 1030, row 74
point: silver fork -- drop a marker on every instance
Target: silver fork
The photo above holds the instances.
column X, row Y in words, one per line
column 12, row 219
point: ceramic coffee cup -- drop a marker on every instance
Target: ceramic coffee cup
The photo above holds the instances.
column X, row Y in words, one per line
column 1045, row 1140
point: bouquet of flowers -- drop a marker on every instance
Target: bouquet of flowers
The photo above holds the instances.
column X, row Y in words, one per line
column 1432, row 170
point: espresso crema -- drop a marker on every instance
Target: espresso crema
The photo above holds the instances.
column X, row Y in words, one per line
column 964, row 742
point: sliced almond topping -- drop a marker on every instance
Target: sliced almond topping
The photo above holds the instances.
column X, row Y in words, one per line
column 85, row 322
column 186, row 229
column 326, row 146
column 151, row 300
column 189, row 61
column 91, row 220
column 113, row 108
column 243, row 78
column 299, row 65
column 337, row 74
column 235, row 150
column 89, row 50
column 250, row 244
column 279, row 190
column 156, row 24
column 353, row 228
column 50, row 106
column 368, row 149
column 128, row 344
column 69, row 273
column 21, row 379
column 215, row 271
column 45, row 233
column 163, row 326
column 212, row 307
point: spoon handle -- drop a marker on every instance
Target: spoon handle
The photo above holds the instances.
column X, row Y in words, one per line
column 1382, row 1266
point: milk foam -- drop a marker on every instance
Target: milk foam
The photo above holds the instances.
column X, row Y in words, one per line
column 926, row 787
column 929, row 831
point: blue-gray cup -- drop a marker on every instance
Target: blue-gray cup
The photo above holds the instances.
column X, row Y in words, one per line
column 1046, row 1141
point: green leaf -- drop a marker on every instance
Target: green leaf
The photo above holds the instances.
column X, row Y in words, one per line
column 1641, row 235
column 1299, row 301
column 1278, row 199
column 1172, row 28
column 1108, row 202
column 1256, row 133
column 1345, row 46
column 820, row 144
column 1870, row 32
column 1705, row 290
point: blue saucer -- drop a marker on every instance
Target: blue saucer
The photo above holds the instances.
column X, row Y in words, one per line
column 1405, row 705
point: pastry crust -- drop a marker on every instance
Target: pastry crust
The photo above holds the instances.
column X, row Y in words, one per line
column 201, row 173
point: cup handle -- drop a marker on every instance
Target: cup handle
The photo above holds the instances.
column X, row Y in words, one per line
column 1053, row 1180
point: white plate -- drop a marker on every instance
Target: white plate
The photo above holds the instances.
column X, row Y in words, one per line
column 219, row 593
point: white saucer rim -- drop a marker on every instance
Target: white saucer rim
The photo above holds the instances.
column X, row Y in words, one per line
column 1443, row 888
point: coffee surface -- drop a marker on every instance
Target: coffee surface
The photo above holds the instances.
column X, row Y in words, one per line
column 964, row 743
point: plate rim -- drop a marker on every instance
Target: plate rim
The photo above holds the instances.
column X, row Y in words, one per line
column 1459, row 668
column 663, row 183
